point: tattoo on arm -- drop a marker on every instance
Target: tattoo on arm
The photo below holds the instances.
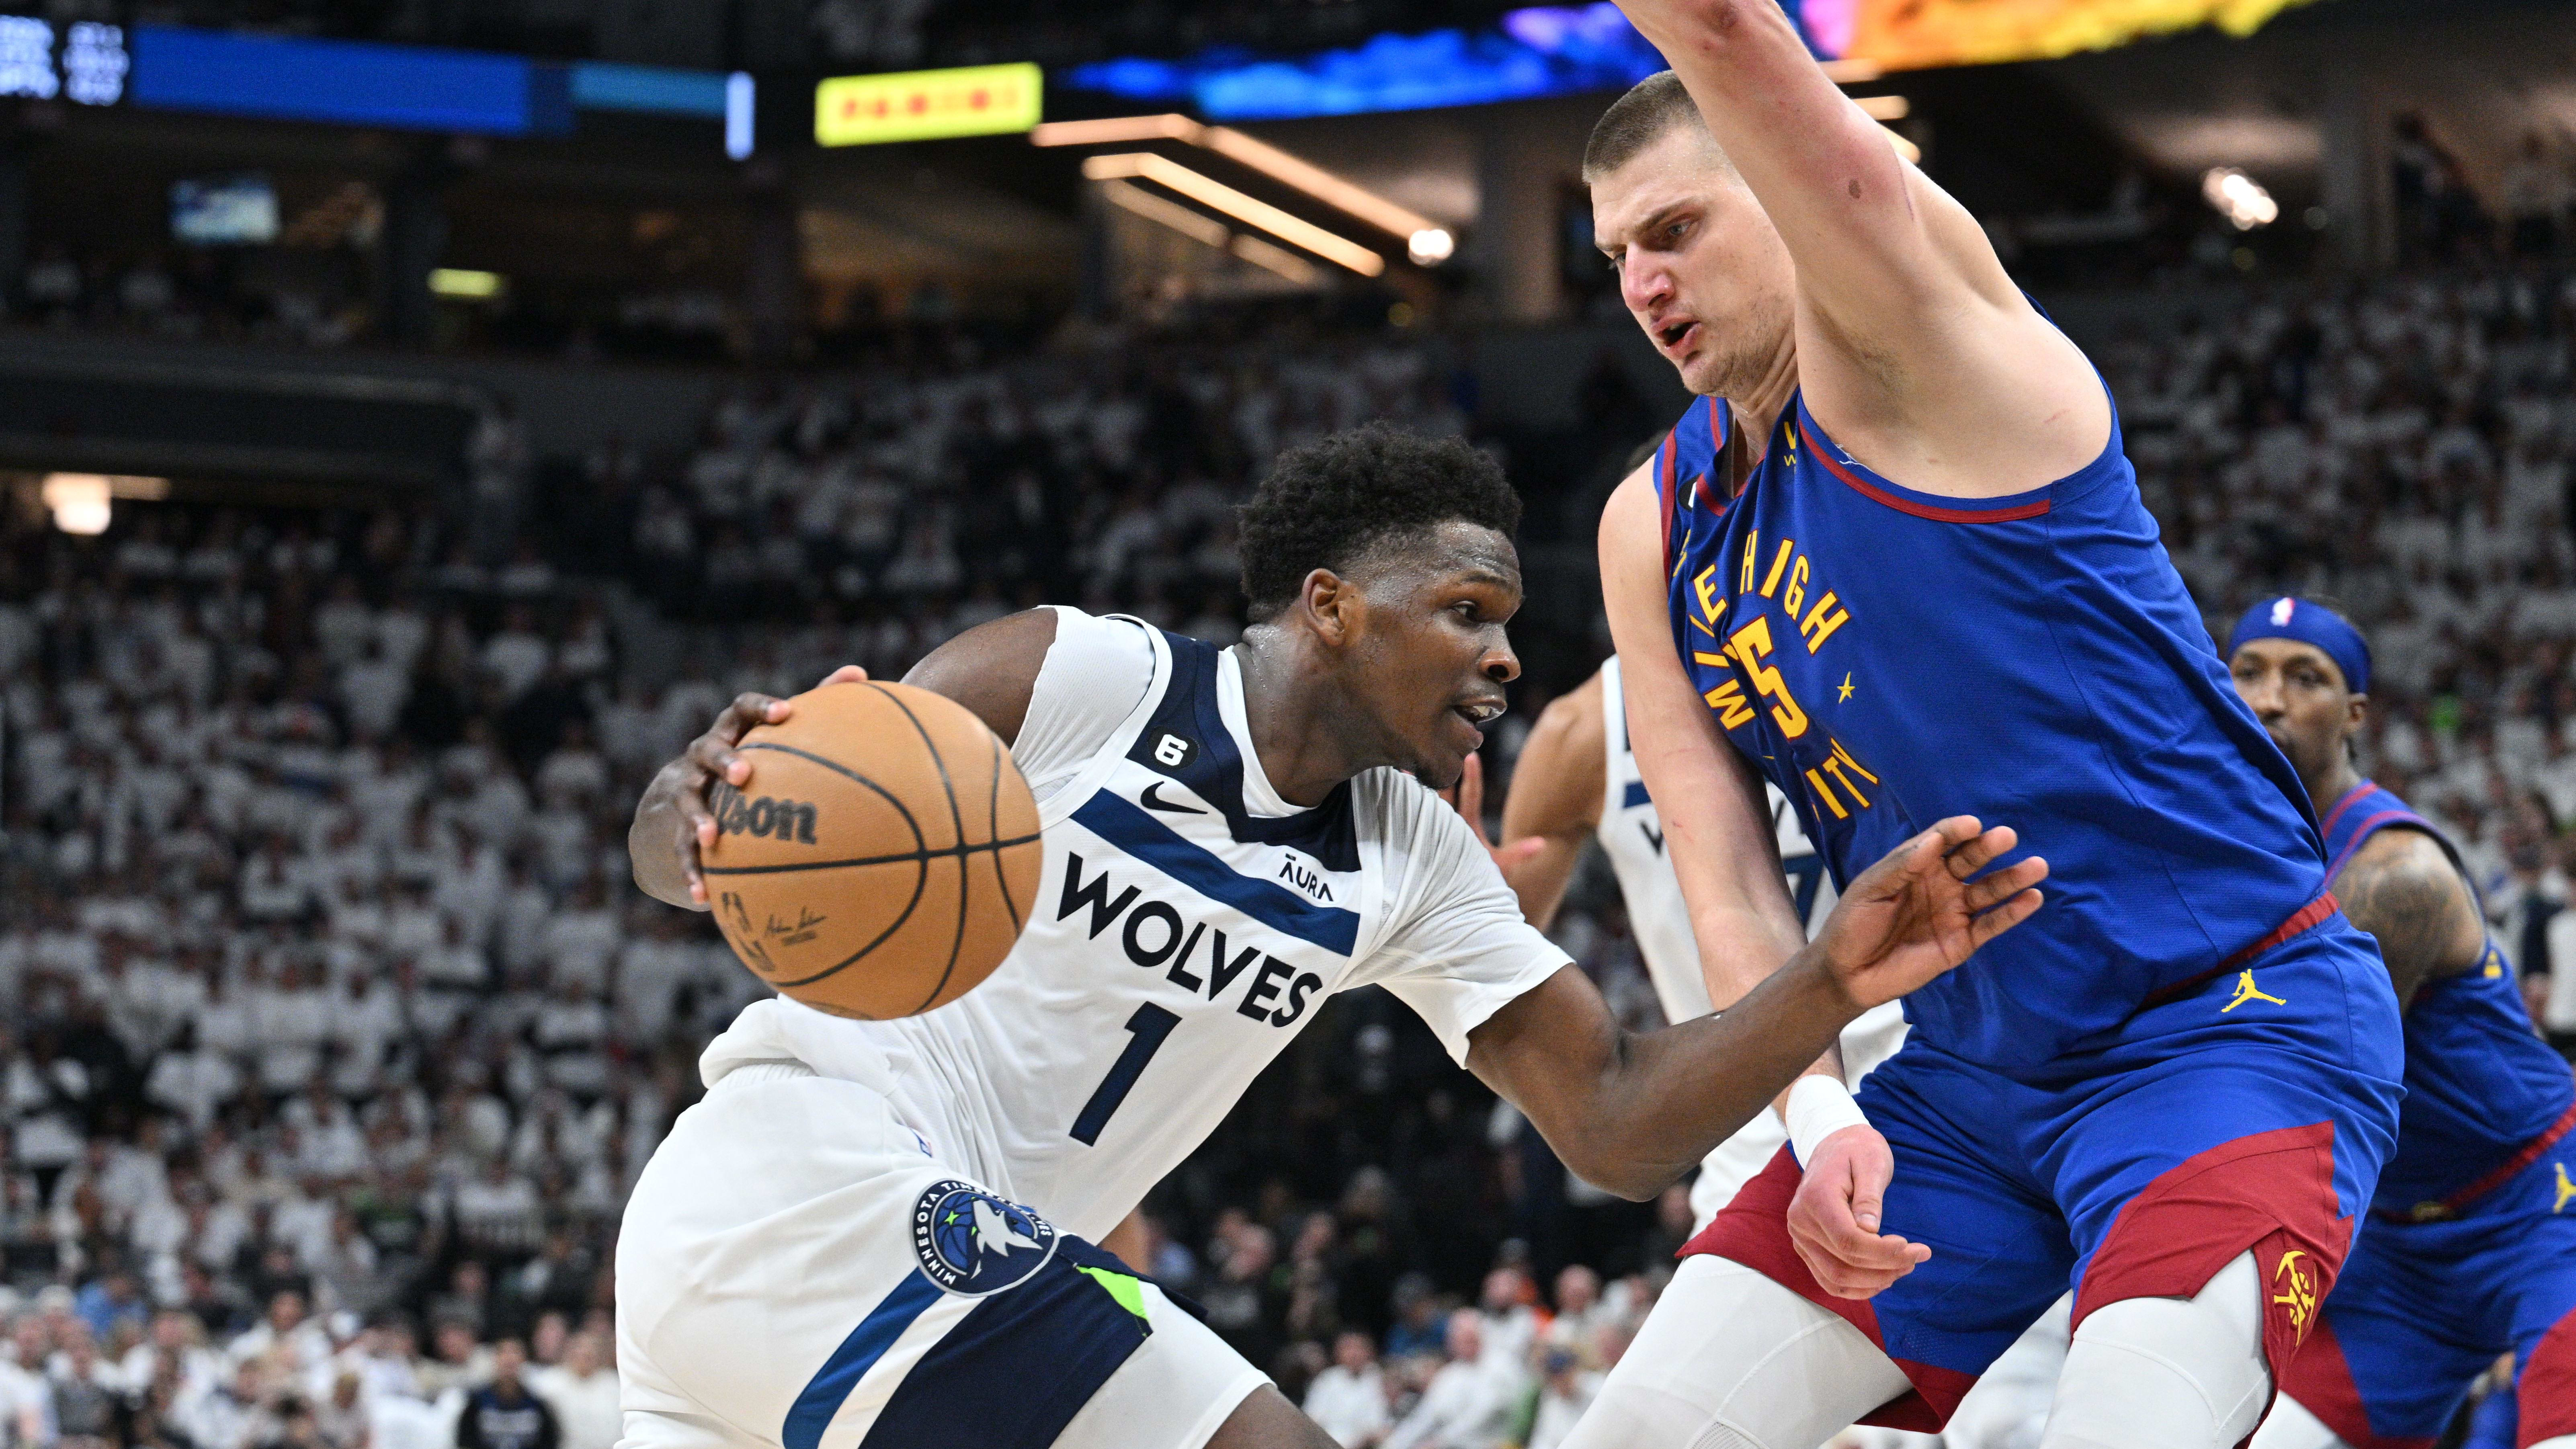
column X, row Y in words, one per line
column 2419, row 911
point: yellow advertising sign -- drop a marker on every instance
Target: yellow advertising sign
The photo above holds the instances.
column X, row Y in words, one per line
column 918, row 105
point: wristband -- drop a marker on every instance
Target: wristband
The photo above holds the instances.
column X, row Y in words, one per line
column 1819, row 1107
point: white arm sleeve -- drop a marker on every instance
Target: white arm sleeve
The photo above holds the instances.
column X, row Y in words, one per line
column 1095, row 673
column 1459, row 949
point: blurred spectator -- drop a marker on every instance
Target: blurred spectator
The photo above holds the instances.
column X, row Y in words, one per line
column 503, row 1414
column 582, row 1391
column 1349, row 1399
column 1469, row 1402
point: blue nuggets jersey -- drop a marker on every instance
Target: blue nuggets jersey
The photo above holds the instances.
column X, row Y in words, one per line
column 1888, row 658
column 2481, row 1086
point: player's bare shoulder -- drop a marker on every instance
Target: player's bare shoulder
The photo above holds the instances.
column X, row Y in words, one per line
column 2403, row 888
column 992, row 668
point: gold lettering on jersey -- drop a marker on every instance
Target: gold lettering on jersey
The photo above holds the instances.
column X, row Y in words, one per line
column 1706, row 587
column 1822, row 620
column 1843, row 757
column 1794, row 597
column 1752, row 543
column 1816, row 783
column 1751, row 644
column 1834, row 767
column 1779, row 564
column 1727, row 699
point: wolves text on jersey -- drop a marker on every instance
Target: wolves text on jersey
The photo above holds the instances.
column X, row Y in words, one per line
column 1156, row 936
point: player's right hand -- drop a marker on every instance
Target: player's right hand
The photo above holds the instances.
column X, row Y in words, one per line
column 1924, row 909
column 680, row 787
column 1834, row 1217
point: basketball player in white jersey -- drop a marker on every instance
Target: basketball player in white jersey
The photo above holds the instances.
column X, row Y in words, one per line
column 1577, row 778
column 875, row 1235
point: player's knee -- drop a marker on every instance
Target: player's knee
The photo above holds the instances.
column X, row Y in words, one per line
column 2154, row 1373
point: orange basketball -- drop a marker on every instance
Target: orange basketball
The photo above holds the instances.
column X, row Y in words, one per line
column 882, row 857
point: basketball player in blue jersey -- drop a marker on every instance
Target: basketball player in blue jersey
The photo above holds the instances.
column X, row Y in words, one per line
column 2471, row 1247
column 1895, row 564
column 877, row 1234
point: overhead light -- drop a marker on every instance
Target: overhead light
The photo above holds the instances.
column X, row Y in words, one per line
column 1853, row 72
column 1430, row 246
column 1884, row 108
column 1114, row 129
column 1128, row 196
column 2239, row 198
column 78, row 501
column 739, row 97
column 1235, row 146
column 1217, row 196
column 1278, row 259
column 459, row 282
column 1904, row 147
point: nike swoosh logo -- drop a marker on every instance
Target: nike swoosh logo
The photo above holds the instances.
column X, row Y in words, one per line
column 1154, row 800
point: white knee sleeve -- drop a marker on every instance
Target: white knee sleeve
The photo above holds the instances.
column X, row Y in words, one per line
column 2167, row 1373
column 1731, row 1360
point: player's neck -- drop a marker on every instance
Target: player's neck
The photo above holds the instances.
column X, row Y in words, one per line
column 1292, row 706
column 1759, row 398
column 2338, row 781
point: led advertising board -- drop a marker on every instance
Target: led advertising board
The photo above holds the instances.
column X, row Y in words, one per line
column 920, row 105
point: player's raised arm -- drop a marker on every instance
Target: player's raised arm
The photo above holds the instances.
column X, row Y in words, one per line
column 1724, row 849
column 1915, row 349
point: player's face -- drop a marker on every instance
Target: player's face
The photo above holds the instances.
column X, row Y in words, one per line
column 1700, row 266
column 2299, row 695
column 1430, row 664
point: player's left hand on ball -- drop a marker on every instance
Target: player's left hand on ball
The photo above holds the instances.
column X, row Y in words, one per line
column 1467, row 797
column 1834, row 1218
column 1923, row 909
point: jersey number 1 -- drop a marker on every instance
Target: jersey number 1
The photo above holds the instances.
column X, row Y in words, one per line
column 1146, row 1031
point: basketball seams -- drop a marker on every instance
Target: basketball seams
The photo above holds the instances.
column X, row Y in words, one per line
column 921, row 863
column 957, row 821
column 896, row 859
column 920, row 842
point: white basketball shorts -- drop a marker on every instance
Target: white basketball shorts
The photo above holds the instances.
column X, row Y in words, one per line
column 797, row 1270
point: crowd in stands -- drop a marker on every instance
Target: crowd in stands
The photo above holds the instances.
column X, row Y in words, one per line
column 332, row 1031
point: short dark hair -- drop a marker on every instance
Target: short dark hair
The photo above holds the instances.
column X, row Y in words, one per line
column 1329, row 502
column 1636, row 121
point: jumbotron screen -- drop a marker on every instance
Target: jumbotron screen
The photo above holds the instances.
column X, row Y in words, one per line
column 1564, row 50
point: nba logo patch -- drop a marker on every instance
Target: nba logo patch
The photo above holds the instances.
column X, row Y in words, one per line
column 972, row 1243
column 2282, row 609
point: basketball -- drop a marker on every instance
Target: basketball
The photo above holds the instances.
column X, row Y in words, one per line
column 881, row 859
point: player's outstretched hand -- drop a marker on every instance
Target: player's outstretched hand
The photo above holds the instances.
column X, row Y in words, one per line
column 1833, row 1218
column 1467, row 797
column 679, row 789
column 1923, row 909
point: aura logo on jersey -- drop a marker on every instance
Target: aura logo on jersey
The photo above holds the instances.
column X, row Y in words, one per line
column 972, row 1243
column 1193, row 955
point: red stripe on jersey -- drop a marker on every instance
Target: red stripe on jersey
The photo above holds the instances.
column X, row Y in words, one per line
column 1872, row 491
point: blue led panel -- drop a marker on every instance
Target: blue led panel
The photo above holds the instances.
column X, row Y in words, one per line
column 599, row 85
column 347, row 82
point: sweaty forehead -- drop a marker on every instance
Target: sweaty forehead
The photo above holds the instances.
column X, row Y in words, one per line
column 1682, row 169
column 1454, row 550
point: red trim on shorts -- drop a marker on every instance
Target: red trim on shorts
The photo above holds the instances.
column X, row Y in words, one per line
column 1876, row 494
column 2306, row 918
column 2271, row 1192
column 1754, row 1230
column 2451, row 1204
column 2546, row 1386
column 2321, row 1380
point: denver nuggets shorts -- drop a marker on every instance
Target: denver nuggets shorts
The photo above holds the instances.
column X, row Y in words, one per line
column 796, row 1270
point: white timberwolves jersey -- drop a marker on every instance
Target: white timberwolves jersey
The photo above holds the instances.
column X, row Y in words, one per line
column 1633, row 838
column 1188, row 923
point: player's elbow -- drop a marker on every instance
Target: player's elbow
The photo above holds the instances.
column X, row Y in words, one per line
column 1625, row 1175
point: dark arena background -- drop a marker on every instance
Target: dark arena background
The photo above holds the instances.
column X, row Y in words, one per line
column 418, row 417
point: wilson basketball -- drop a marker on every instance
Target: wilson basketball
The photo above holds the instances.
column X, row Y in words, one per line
column 881, row 859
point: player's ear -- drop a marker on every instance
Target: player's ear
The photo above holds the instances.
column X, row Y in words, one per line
column 1333, row 606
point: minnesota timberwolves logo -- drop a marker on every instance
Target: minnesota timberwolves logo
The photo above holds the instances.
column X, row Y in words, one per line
column 973, row 1243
